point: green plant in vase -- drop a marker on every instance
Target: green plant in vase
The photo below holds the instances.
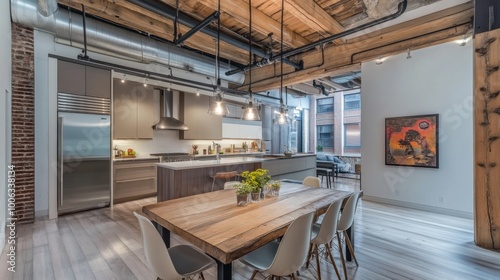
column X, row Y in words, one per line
column 275, row 187
column 243, row 194
column 256, row 180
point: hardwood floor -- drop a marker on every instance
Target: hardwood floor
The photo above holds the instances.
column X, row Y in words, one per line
column 391, row 243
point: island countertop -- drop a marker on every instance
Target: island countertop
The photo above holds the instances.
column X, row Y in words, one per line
column 184, row 178
column 193, row 164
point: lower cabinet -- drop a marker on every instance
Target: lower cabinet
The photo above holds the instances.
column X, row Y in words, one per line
column 134, row 179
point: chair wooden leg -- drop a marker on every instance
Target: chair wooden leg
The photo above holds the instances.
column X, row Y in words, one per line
column 349, row 245
column 317, row 261
column 293, row 276
column 253, row 274
column 342, row 256
column 309, row 255
column 213, row 183
column 202, row 277
column 333, row 262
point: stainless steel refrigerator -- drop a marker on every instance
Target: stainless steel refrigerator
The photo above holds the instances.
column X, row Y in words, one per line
column 84, row 161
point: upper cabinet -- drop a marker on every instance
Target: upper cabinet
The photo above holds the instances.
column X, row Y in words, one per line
column 241, row 129
column 133, row 113
column 194, row 113
column 83, row 80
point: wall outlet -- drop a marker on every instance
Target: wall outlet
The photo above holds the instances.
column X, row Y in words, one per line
column 441, row 199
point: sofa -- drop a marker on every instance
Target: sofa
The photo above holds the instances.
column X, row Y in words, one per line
column 342, row 166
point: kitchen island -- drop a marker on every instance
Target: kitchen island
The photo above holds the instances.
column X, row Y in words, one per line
column 185, row 178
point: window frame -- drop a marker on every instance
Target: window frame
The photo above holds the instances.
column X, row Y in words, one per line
column 359, row 101
column 328, row 104
column 332, row 132
column 345, row 135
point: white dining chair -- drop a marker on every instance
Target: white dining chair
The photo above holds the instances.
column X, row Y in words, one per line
column 312, row 181
column 286, row 257
column 323, row 234
column 175, row 263
column 345, row 222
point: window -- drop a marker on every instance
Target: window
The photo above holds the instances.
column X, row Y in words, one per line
column 352, row 101
column 352, row 135
column 325, row 105
column 325, row 135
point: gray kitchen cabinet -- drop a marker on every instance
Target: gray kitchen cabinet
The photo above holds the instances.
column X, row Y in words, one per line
column 70, row 77
column 193, row 112
column 79, row 79
column 97, row 82
column 145, row 116
column 133, row 112
column 134, row 179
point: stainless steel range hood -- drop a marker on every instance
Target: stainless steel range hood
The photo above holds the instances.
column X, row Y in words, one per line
column 167, row 121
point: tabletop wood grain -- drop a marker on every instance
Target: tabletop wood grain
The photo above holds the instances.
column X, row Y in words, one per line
column 213, row 222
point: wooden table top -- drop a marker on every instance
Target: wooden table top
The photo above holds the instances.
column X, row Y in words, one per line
column 213, row 222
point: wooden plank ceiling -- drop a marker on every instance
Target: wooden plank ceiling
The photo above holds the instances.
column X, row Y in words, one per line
column 305, row 21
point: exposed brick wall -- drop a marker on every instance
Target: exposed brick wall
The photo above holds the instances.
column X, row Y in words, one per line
column 23, row 121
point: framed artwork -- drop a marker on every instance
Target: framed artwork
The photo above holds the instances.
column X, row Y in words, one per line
column 412, row 141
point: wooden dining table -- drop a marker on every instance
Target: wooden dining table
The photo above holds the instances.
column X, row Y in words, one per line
column 226, row 232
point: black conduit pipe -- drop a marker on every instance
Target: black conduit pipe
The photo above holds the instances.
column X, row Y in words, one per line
column 164, row 10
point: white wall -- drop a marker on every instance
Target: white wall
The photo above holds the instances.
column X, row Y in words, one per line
column 5, row 89
column 437, row 79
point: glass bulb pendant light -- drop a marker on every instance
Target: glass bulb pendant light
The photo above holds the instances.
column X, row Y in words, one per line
column 281, row 117
column 250, row 112
column 217, row 105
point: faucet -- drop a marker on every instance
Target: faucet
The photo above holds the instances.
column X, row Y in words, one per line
column 217, row 147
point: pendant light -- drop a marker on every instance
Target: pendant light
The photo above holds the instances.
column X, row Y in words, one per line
column 281, row 117
column 218, row 106
column 250, row 112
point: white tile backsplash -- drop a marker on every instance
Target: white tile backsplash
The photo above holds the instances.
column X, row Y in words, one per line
column 167, row 141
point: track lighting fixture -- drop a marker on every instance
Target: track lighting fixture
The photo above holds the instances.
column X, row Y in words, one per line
column 124, row 78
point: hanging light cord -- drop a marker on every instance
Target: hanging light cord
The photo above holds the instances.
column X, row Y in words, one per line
column 218, row 46
column 250, row 51
column 281, row 51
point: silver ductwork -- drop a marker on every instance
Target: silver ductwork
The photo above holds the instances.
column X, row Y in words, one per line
column 113, row 40
column 167, row 121
column 47, row 7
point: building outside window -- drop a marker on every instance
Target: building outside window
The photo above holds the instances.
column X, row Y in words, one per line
column 352, row 101
column 324, row 105
column 325, row 135
column 352, row 135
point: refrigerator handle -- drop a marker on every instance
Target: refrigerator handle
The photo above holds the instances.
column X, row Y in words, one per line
column 61, row 158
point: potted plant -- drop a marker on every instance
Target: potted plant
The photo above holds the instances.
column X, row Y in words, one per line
column 243, row 194
column 274, row 187
column 256, row 180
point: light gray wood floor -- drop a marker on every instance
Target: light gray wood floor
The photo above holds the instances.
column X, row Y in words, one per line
column 391, row 243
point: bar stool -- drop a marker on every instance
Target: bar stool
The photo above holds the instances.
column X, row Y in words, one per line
column 224, row 175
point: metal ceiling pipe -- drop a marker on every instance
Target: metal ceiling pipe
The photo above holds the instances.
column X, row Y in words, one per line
column 47, row 7
column 401, row 9
column 165, row 10
column 113, row 40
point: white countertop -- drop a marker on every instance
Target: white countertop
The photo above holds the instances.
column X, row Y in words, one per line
column 179, row 165
column 232, row 154
column 136, row 158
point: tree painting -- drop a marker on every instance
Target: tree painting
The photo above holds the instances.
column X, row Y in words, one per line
column 412, row 141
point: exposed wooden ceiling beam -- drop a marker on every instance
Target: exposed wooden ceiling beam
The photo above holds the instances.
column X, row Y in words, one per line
column 305, row 88
column 238, row 10
column 312, row 15
column 436, row 28
column 127, row 14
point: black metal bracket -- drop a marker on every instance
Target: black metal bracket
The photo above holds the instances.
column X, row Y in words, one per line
column 197, row 28
column 486, row 15
column 84, row 51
